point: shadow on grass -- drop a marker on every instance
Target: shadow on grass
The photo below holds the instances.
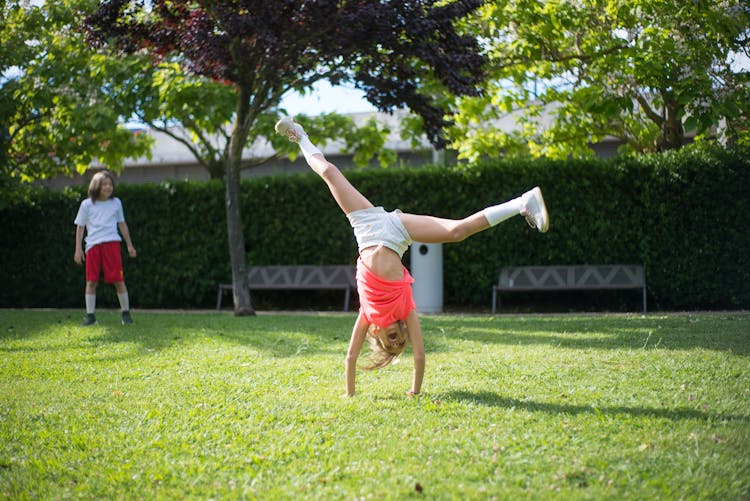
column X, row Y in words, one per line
column 289, row 335
column 277, row 336
column 491, row 399
column 719, row 332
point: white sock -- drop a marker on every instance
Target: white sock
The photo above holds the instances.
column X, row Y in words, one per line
column 124, row 301
column 308, row 149
column 499, row 213
column 90, row 303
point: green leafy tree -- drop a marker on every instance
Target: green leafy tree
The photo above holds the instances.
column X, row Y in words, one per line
column 574, row 72
column 197, row 112
column 59, row 110
column 260, row 50
column 63, row 105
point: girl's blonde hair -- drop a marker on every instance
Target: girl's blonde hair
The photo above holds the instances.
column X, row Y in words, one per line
column 381, row 354
column 95, row 186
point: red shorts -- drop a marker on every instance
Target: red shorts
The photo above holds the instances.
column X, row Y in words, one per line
column 104, row 256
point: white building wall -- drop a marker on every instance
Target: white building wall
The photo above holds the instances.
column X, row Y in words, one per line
column 171, row 160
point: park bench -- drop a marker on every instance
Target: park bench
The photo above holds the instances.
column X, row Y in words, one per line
column 559, row 278
column 303, row 277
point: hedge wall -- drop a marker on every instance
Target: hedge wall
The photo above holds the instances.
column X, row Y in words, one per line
column 682, row 215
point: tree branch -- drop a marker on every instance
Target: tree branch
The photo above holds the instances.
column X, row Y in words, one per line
column 650, row 113
column 23, row 123
column 182, row 140
column 190, row 123
column 255, row 162
column 553, row 57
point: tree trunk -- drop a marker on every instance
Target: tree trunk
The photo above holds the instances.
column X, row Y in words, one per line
column 673, row 133
column 217, row 169
column 236, row 236
column 235, row 233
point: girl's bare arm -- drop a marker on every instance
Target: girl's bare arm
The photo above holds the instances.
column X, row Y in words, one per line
column 359, row 333
column 417, row 347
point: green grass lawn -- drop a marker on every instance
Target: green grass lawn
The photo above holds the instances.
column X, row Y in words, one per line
column 209, row 406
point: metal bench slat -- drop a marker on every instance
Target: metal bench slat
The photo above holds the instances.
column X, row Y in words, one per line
column 299, row 277
column 574, row 277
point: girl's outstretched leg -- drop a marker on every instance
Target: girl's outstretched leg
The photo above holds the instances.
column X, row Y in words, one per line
column 346, row 195
column 435, row 230
column 430, row 229
column 530, row 205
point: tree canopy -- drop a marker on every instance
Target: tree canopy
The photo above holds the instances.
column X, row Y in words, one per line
column 574, row 72
column 387, row 49
column 59, row 106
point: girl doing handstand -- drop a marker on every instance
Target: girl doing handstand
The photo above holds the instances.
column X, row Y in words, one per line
column 388, row 315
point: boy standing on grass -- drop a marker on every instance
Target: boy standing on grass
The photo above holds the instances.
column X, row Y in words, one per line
column 101, row 215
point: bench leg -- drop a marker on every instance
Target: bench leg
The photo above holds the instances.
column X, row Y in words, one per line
column 644, row 299
column 346, row 299
column 494, row 300
column 219, row 297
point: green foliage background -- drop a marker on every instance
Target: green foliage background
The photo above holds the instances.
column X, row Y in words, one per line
column 680, row 214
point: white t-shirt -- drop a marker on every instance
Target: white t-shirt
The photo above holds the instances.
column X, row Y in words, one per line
column 100, row 219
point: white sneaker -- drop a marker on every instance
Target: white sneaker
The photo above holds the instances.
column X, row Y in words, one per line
column 534, row 210
column 289, row 128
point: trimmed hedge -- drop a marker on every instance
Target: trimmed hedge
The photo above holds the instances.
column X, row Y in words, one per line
column 680, row 214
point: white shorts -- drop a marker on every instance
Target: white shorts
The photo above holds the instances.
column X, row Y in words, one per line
column 375, row 226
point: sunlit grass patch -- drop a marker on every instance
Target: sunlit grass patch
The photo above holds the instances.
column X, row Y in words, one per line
column 189, row 405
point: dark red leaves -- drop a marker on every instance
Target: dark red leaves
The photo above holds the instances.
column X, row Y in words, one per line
column 387, row 48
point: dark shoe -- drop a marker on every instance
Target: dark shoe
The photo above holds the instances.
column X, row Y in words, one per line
column 89, row 320
column 126, row 319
